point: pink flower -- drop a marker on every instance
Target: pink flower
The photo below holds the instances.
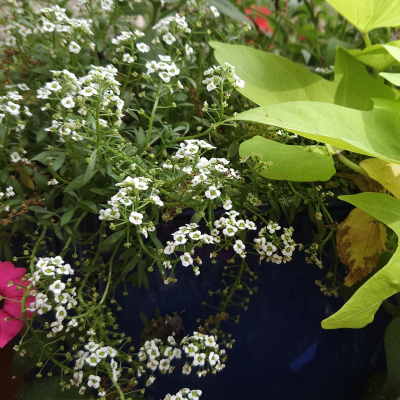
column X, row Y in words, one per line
column 8, row 308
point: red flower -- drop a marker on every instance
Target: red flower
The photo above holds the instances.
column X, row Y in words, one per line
column 262, row 23
column 10, row 309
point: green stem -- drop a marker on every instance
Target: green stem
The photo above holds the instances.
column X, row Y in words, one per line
column 126, row 79
column 233, row 289
column 367, row 41
column 351, row 165
column 35, row 250
column 121, row 394
column 146, row 146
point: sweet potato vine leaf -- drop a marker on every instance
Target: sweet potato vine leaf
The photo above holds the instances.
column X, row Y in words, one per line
column 360, row 242
column 362, row 306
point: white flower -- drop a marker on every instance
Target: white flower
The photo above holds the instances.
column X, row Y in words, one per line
column 179, row 238
column 12, row 108
column 92, row 346
column 168, row 38
column 152, row 364
column 196, row 235
column 239, row 82
column 164, row 76
column 68, row 102
column 142, row 47
column 93, row 360
column 107, row 4
column 94, row 381
column 56, row 326
column 272, row 227
column 61, row 313
column 88, row 91
column 199, row 359
column 57, row 287
column 194, row 394
column 15, row 157
column 170, row 248
column 74, row 47
column 128, row 58
column 213, row 358
column 214, row 11
column 187, row 369
column 191, row 349
column 164, row 365
column 101, row 393
column 136, row 218
column 111, row 351
column 228, row 204
column 102, row 352
column 53, row 181
column 53, row 86
column 188, row 49
column 186, row 259
column 10, row 41
column 153, row 353
column 269, row 249
column 212, row 193
column 230, row 230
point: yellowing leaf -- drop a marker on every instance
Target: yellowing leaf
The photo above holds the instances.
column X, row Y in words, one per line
column 26, row 179
column 360, row 242
column 364, row 183
column 386, row 173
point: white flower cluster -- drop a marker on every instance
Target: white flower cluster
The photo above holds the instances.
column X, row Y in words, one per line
column 127, row 35
column 55, row 19
column 10, row 107
column 132, row 191
column 167, row 68
column 175, row 23
column 98, row 88
column 216, row 75
column 203, row 349
column 8, row 193
column 184, row 393
column 267, row 243
column 49, row 271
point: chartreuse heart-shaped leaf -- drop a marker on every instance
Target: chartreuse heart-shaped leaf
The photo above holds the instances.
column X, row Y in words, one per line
column 366, row 15
column 272, row 79
column 379, row 56
column 392, row 77
column 292, row 163
column 375, row 133
column 387, row 174
column 360, row 309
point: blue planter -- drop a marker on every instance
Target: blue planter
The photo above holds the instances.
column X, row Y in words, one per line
column 281, row 351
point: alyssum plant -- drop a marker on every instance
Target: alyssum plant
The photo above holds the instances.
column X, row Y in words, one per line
column 99, row 118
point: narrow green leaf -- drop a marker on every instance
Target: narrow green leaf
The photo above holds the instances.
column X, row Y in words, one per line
column 115, row 237
column 292, row 163
column 67, row 217
column 227, row 8
column 90, row 168
column 79, row 182
column 362, row 306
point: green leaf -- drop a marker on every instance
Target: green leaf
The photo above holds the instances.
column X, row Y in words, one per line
column 90, row 168
column 42, row 71
column 366, row 15
column 48, row 389
column 292, row 163
column 392, row 77
column 115, row 237
column 227, row 8
column 392, row 349
column 362, row 306
column 141, row 274
column 379, row 56
column 271, row 79
column 331, row 47
column 67, row 217
column 102, row 192
column 364, row 132
column 79, row 182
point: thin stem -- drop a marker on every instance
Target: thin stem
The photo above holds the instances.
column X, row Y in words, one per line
column 351, row 165
column 146, row 146
column 110, row 374
column 232, row 292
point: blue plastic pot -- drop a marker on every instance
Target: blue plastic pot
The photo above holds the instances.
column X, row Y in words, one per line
column 281, row 351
